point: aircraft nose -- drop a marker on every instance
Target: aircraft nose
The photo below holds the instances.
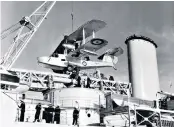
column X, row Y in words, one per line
column 43, row 59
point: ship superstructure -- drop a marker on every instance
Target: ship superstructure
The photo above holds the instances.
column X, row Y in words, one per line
column 105, row 103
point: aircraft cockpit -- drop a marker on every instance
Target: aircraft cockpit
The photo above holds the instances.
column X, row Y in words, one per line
column 55, row 55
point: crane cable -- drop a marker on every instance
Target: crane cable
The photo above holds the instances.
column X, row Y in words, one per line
column 72, row 15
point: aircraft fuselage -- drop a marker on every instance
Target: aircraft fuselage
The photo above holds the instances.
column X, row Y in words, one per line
column 61, row 63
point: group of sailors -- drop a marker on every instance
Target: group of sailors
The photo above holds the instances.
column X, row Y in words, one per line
column 84, row 80
column 22, row 111
column 47, row 113
column 50, row 114
column 86, row 83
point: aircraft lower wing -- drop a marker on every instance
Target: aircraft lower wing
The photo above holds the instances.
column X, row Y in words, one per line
column 88, row 48
column 113, row 52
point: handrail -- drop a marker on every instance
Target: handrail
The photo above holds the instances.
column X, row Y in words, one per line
column 87, row 102
column 17, row 115
column 35, row 101
column 9, row 96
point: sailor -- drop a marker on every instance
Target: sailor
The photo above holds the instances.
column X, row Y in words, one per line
column 50, row 110
column 46, row 115
column 76, row 45
column 88, row 82
column 78, row 81
column 75, row 116
column 22, row 107
column 57, row 115
column 100, row 85
column 111, row 78
column 73, row 74
column 37, row 114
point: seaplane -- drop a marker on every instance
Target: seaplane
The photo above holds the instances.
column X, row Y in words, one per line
column 73, row 52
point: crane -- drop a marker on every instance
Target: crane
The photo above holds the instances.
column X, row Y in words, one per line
column 24, row 30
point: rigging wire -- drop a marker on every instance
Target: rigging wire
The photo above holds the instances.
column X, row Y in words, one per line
column 10, row 30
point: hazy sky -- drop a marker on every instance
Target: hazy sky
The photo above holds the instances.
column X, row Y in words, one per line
column 152, row 19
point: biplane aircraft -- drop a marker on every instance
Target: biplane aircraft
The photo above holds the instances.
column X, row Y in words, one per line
column 73, row 52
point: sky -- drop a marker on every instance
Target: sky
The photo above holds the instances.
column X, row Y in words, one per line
column 152, row 19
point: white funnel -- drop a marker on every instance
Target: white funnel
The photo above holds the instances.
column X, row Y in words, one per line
column 143, row 69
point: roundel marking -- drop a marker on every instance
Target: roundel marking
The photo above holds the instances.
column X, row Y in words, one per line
column 84, row 63
column 97, row 41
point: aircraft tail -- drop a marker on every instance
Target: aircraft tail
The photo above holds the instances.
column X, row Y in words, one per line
column 110, row 56
column 110, row 59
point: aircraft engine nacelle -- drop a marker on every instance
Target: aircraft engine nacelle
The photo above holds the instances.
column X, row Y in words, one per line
column 69, row 46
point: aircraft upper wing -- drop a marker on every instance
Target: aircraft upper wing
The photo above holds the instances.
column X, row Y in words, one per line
column 89, row 48
column 89, row 27
column 94, row 44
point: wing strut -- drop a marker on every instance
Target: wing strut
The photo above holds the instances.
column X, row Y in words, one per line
column 83, row 36
column 93, row 34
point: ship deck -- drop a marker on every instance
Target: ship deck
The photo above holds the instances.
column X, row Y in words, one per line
column 30, row 124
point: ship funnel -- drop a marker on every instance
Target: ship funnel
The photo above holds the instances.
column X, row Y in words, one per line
column 143, row 69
